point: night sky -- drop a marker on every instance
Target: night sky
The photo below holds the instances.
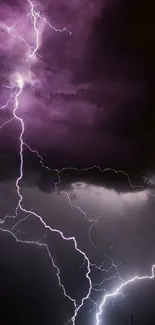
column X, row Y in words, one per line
column 77, row 175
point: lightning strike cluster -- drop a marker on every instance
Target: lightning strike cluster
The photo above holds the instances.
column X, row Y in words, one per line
column 16, row 84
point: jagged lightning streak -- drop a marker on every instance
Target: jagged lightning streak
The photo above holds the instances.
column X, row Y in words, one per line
column 9, row 31
column 6, row 122
column 20, row 207
column 6, row 106
column 7, row 103
column 35, row 15
column 49, row 254
column 118, row 291
column 19, row 88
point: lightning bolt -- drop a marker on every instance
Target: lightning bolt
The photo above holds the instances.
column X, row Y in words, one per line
column 21, row 208
column 18, row 85
column 118, row 291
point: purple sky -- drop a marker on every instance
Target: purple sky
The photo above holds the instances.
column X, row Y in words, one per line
column 88, row 96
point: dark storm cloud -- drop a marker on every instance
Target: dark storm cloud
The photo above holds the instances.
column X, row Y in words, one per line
column 37, row 176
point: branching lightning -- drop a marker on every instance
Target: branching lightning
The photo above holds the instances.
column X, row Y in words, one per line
column 21, row 208
column 18, row 86
column 118, row 291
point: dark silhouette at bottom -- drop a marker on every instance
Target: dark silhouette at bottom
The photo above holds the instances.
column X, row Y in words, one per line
column 132, row 320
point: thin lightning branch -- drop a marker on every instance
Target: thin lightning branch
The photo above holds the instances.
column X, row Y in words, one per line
column 64, row 29
column 51, row 258
column 18, row 223
column 108, row 169
column 102, row 269
column 7, row 122
column 7, row 103
column 6, row 106
column 95, row 303
column 9, row 31
column 90, row 229
column 59, row 181
column 33, row 13
column 39, row 156
column 104, row 281
column 21, row 232
column 92, row 220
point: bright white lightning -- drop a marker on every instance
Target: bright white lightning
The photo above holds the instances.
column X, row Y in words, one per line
column 118, row 291
column 34, row 16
